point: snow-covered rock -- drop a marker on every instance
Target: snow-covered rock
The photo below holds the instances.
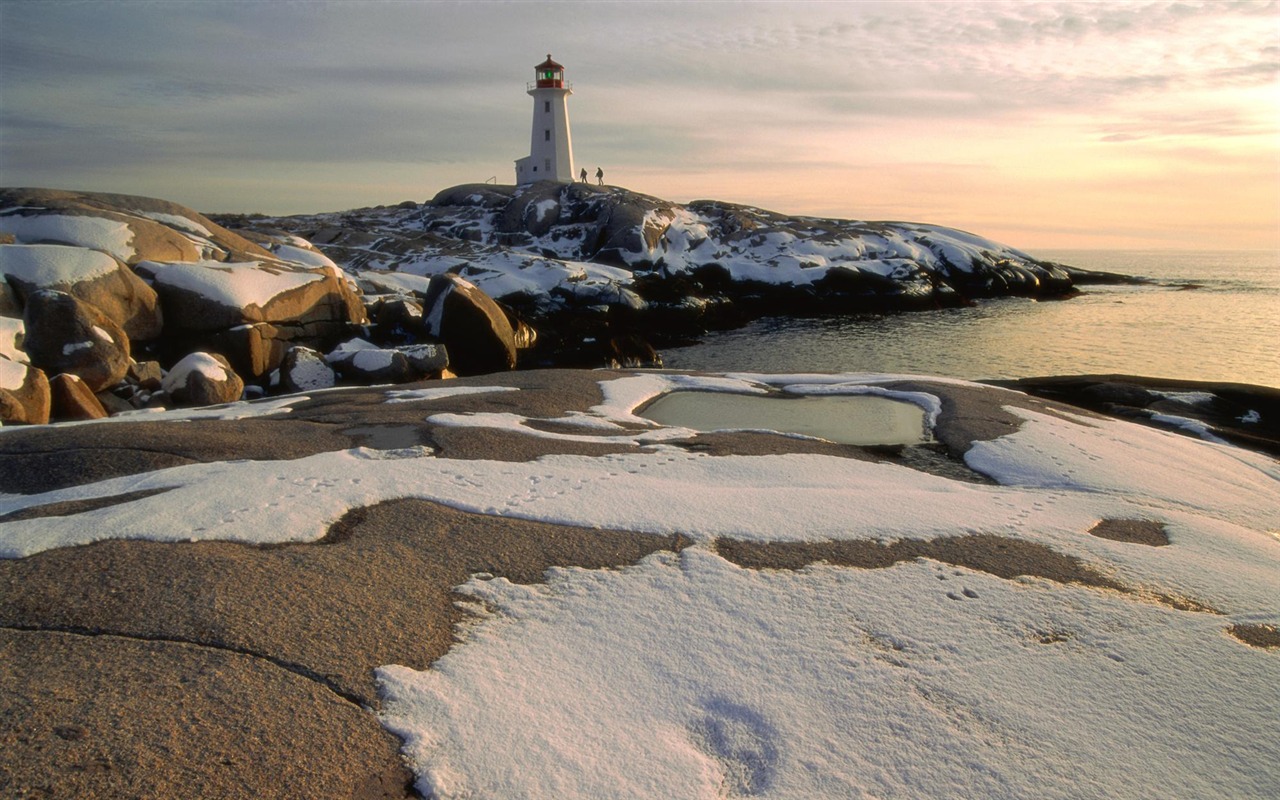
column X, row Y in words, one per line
column 549, row 247
column 304, row 369
column 361, row 361
column 202, row 379
column 65, row 334
column 12, row 335
column 90, row 275
column 209, row 295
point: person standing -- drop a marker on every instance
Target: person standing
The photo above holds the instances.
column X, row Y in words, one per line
column 600, row 176
column 584, row 174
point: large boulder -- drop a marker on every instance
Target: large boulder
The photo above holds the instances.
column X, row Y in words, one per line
column 24, row 394
column 473, row 327
column 212, row 295
column 92, row 276
column 202, row 379
column 64, row 334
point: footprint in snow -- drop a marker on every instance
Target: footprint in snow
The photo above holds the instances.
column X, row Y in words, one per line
column 742, row 741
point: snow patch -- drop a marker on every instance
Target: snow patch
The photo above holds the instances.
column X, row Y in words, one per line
column 231, row 284
column 109, row 236
column 50, row 265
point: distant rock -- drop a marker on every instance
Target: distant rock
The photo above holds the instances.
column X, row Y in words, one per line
column 202, row 379
column 146, row 374
column 24, row 394
column 64, row 334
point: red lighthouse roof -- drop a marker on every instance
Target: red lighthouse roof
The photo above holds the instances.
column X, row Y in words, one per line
column 550, row 75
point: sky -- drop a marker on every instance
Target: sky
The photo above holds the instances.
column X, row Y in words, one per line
column 1040, row 125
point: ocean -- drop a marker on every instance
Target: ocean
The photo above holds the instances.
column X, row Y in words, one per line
column 1211, row 316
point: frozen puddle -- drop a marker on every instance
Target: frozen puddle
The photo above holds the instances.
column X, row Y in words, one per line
column 848, row 419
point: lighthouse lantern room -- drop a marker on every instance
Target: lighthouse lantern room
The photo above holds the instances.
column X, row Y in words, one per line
column 550, row 146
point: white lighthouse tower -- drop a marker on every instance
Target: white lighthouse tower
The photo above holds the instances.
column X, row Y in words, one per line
column 550, row 148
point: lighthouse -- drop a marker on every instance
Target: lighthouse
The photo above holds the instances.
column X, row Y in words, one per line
column 550, row 148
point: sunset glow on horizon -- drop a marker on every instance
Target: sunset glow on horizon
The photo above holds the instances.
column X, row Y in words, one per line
column 1041, row 125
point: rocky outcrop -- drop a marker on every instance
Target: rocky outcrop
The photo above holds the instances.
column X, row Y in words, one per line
column 64, row 334
column 584, row 263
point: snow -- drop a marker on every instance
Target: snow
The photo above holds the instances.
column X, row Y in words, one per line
column 1195, row 426
column 441, row 392
column 12, row 334
column 178, row 221
column 373, row 360
column 688, row 676
column 311, row 372
column 71, row 347
column 95, row 233
column 544, row 207
column 231, row 284
column 12, row 374
column 302, row 255
column 1187, row 398
column 51, row 265
column 203, row 363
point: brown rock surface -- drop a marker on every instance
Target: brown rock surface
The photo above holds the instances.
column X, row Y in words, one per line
column 137, row 668
column 71, row 399
column 24, row 393
column 65, row 334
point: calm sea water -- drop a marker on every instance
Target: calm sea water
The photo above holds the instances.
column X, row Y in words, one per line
column 1227, row 329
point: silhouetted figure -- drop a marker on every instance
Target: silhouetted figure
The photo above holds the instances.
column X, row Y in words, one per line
column 584, row 174
column 600, row 176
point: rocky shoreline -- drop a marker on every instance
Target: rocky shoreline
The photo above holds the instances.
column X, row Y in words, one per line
column 113, row 303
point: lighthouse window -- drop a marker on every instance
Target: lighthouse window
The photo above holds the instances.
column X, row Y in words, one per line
column 546, row 135
column 546, row 106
